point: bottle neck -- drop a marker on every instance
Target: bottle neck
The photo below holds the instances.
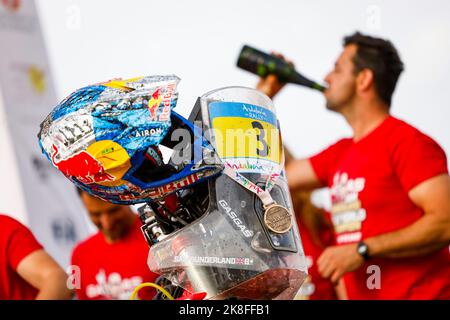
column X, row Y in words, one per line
column 301, row 80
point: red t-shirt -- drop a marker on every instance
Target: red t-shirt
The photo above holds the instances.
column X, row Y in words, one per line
column 315, row 287
column 369, row 181
column 112, row 271
column 16, row 243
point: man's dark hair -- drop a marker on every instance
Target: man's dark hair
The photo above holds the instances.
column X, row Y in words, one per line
column 381, row 57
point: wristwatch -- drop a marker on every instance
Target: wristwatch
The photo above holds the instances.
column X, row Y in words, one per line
column 363, row 250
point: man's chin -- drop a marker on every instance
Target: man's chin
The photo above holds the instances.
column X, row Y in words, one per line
column 330, row 107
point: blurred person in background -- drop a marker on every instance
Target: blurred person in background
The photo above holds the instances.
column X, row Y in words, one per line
column 389, row 184
column 316, row 233
column 26, row 271
column 113, row 261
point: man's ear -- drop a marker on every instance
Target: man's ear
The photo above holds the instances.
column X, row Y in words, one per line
column 365, row 80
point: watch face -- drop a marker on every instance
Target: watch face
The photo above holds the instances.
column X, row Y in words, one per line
column 362, row 249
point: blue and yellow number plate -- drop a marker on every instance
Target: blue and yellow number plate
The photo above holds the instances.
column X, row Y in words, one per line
column 246, row 134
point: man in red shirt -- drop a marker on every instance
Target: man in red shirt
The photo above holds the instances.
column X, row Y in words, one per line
column 26, row 270
column 389, row 184
column 112, row 262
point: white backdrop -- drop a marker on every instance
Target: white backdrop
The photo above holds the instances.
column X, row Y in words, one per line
column 199, row 40
column 32, row 191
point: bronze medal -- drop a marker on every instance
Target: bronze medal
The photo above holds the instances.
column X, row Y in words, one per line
column 277, row 218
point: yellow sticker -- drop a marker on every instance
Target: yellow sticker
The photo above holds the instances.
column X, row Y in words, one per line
column 113, row 158
column 238, row 137
column 121, row 84
column 37, row 79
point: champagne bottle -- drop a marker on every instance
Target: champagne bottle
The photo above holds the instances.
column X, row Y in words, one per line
column 263, row 64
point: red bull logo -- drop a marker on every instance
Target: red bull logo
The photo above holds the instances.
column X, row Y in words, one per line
column 162, row 191
column 165, row 115
column 81, row 166
column 153, row 104
column 173, row 186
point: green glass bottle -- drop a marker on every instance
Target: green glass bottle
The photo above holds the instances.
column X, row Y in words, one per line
column 263, row 64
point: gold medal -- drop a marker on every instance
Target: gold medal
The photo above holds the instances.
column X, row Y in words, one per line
column 277, row 218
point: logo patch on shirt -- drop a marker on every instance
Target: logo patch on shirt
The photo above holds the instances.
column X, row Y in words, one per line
column 112, row 286
column 347, row 213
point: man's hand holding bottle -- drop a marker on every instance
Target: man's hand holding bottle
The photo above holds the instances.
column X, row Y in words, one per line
column 270, row 84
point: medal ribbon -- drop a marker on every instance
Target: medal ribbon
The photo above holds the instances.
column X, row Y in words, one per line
column 263, row 194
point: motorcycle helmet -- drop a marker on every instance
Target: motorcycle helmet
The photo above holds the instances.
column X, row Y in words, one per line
column 105, row 138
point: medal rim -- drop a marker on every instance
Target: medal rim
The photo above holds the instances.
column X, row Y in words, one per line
column 266, row 209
